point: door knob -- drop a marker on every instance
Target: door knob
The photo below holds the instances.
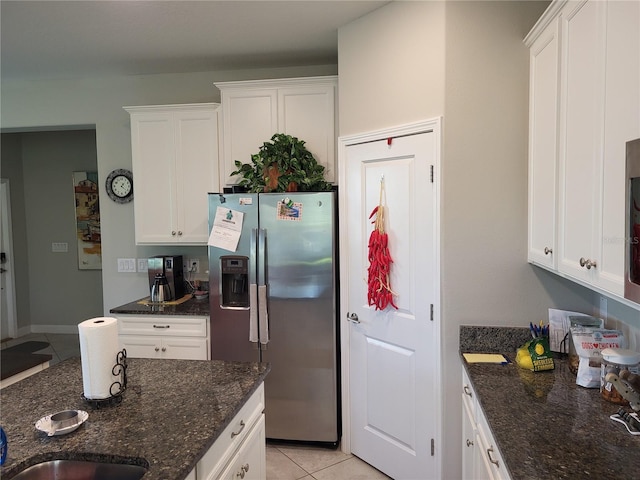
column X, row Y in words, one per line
column 353, row 317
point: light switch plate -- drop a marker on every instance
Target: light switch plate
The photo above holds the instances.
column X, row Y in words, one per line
column 126, row 265
column 143, row 265
column 60, row 247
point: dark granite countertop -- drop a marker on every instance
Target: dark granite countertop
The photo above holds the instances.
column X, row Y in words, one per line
column 171, row 413
column 193, row 306
column 546, row 426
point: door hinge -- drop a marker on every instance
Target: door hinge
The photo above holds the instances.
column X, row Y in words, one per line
column 433, row 447
column 431, row 173
column 431, row 314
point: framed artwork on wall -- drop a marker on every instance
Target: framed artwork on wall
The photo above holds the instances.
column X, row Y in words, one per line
column 87, row 207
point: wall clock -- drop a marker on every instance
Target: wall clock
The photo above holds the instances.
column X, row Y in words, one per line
column 119, row 185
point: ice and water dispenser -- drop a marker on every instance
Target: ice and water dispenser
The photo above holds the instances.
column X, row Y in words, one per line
column 234, row 270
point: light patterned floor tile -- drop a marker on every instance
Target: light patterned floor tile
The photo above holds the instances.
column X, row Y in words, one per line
column 313, row 459
column 351, row 469
column 281, row 467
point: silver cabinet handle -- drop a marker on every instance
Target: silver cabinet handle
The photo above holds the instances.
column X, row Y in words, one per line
column 548, row 250
column 467, row 390
column 588, row 263
column 242, row 425
column 161, row 326
column 243, row 469
column 353, row 317
column 495, row 462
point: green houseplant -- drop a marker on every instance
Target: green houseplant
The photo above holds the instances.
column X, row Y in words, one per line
column 282, row 164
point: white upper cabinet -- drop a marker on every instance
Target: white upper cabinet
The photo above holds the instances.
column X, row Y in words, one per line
column 543, row 147
column 597, row 100
column 255, row 110
column 175, row 165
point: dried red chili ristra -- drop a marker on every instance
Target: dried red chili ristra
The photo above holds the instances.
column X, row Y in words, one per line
column 379, row 293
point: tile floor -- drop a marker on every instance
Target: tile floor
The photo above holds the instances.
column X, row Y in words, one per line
column 284, row 462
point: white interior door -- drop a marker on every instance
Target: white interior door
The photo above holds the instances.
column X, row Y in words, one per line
column 8, row 321
column 394, row 354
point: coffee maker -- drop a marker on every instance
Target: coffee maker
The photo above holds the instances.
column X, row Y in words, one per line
column 169, row 266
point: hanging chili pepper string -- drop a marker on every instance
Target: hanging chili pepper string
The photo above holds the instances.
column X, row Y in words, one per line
column 379, row 294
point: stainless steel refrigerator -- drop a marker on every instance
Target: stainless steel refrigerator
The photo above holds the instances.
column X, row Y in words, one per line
column 273, row 294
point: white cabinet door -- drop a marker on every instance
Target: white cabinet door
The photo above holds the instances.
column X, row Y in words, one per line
column 622, row 123
column 184, row 348
column 582, row 116
column 250, row 118
column 309, row 114
column 249, row 463
column 543, row 113
column 153, row 147
column 468, row 442
column 254, row 111
column 140, row 347
column 175, row 165
column 197, row 172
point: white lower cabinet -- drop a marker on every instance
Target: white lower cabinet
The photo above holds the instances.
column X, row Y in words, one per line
column 240, row 451
column 171, row 337
column 481, row 458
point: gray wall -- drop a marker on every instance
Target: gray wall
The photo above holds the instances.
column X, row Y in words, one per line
column 55, row 293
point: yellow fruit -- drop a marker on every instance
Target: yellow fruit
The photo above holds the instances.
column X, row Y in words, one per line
column 523, row 359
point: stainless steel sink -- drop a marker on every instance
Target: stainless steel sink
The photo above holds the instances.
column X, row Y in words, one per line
column 81, row 470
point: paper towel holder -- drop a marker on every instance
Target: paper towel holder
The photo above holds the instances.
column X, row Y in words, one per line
column 117, row 388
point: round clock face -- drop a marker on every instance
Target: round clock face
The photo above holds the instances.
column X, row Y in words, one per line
column 119, row 186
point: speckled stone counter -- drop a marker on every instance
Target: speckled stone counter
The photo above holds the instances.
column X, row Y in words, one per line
column 190, row 307
column 546, row 426
column 171, row 413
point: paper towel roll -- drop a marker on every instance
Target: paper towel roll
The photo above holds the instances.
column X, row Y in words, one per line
column 98, row 352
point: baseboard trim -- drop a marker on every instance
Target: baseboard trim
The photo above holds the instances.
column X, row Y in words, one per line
column 65, row 329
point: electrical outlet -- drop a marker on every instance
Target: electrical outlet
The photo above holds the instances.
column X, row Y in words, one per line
column 194, row 265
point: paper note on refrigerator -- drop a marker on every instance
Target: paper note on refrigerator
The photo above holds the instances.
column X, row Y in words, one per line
column 227, row 227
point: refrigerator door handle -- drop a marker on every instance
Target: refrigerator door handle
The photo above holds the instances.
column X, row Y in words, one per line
column 253, row 313
column 263, row 316
column 263, row 312
column 253, row 290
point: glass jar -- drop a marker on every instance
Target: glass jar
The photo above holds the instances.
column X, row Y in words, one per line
column 615, row 360
column 580, row 321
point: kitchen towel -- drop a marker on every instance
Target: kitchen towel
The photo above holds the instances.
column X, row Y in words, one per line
column 98, row 354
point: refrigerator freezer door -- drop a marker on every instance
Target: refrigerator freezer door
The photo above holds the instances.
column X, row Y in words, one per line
column 230, row 325
column 301, row 389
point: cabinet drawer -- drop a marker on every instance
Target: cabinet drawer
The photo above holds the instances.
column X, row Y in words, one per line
column 186, row 326
column 223, row 450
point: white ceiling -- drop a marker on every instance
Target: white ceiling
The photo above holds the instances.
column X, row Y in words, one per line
column 54, row 39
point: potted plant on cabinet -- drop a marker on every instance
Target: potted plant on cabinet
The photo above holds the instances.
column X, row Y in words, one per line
column 282, row 164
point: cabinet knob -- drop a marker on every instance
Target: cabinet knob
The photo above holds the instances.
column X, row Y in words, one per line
column 469, row 443
column 173, row 233
column 588, row 263
column 548, row 250
column 157, row 349
column 467, row 391
column 179, row 232
column 243, row 469
column 164, row 349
